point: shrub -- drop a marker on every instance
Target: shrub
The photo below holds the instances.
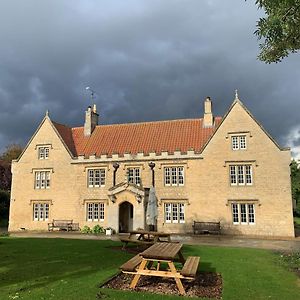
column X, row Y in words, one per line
column 86, row 229
column 98, row 229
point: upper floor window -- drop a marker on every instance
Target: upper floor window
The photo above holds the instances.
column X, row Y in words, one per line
column 42, row 180
column 40, row 211
column 240, row 175
column 95, row 211
column 238, row 142
column 174, row 213
column 43, row 152
column 96, row 177
column 174, row 176
column 243, row 213
column 134, row 175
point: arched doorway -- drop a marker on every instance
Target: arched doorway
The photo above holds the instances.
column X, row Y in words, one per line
column 125, row 217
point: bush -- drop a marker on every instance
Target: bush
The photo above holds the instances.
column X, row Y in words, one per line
column 4, row 204
column 86, row 229
column 98, row 229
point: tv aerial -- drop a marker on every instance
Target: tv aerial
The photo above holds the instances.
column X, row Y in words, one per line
column 92, row 93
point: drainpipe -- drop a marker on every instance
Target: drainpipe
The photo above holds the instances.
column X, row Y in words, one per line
column 116, row 167
column 152, row 165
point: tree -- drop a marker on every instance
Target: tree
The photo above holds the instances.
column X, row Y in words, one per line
column 295, row 181
column 12, row 151
column 280, row 29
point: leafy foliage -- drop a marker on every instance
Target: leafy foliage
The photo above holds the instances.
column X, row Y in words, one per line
column 295, row 181
column 4, row 204
column 86, row 229
column 280, row 29
column 98, row 229
column 11, row 152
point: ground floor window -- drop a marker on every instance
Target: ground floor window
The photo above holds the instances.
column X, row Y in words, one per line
column 174, row 213
column 95, row 211
column 40, row 211
column 243, row 213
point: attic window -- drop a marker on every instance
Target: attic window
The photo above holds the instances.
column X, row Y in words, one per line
column 43, row 152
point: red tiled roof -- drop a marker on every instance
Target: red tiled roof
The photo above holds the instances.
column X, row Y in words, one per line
column 132, row 138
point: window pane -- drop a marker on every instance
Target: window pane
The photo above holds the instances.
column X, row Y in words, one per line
column 36, row 211
column 41, row 217
column 234, row 143
column 242, row 142
column 90, row 211
column 174, row 176
column 233, row 176
column 46, row 152
column 41, row 153
column 130, row 175
column 91, row 178
column 101, row 211
column 248, row 169
column 251, row 214
column 137, row 176
column 102, row 179
column 46, row 211
column 96, row 212
column 243, row 213
column 97, row 178
column 181, row 212
column 168, row 212
column 174, row 212
column 167, row 176
column 235, row 213
column 180, row 176
column 37, row 180
column 47, row 179
column 241, row 179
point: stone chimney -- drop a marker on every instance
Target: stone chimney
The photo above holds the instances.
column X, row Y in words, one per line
column 208, row 119
column 91, row 120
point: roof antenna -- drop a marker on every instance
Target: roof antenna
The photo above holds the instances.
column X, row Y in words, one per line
column 92, row 94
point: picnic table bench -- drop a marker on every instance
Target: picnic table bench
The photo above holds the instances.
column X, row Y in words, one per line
column 63, row 224
column 207, row 227
column 143, row 237
column 142, row 264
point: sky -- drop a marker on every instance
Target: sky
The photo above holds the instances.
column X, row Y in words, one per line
column 147, row 60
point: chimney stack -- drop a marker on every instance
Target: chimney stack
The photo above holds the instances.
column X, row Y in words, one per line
column 91, row 120
column 208, row 119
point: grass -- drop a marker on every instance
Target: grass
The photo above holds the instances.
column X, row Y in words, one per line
column 74, row 269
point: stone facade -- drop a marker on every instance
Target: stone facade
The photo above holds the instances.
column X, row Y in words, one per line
column 207, row 193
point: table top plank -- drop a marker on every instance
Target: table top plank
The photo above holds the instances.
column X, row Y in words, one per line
column 163, row 251
column 162, row 234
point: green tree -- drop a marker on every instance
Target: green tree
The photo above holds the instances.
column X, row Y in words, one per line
column 279, row 29
column 295, row 181
column 11, row 152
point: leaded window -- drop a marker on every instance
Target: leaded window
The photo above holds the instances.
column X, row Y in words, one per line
column 96, row 177
column 174, row 212
column 43, row 152
column 174, row 176
column 40, row 211
column 243, row 213
column 95, row 211
column 134, row 175
column 42, row 180
column 238, row 142
column 240, row 174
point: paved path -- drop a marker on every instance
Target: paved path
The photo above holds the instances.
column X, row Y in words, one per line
column 292, row 244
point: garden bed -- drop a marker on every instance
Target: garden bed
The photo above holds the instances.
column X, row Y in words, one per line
column 206, row 284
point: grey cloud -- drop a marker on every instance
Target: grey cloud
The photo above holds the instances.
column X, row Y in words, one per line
column 147, row 60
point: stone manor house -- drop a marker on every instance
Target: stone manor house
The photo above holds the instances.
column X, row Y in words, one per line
column 207, row 169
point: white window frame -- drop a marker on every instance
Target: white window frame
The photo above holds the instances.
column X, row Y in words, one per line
column 238, row 142
column 240, row 175
column 174, row 212
column 42, row 180
column 174, row 176
column 43, row 152
column 96, row 177
column 243, row 213
column 95, row 211
column 41, row 211
column 134, row 176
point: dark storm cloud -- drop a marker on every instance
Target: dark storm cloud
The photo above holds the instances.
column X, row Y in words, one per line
column 148, row 60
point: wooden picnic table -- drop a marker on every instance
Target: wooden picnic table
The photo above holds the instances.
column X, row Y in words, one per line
column 142, row 264
column 144, row 237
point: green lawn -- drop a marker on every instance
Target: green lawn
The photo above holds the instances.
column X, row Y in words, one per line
column 73, row 269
